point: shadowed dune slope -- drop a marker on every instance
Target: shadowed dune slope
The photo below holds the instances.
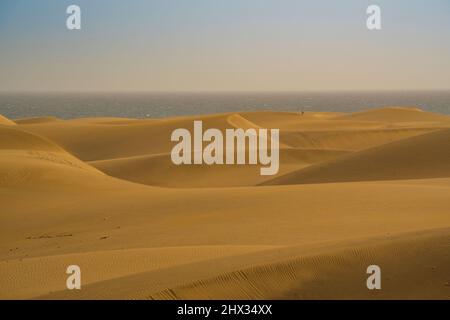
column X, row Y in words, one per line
column 424, row 156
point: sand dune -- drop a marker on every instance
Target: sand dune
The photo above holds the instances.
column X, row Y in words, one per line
column 238, row 121
column 101, row 266
column 35, row 120
column 27, row 159
column 269, row 119
column 158, row 170
column 12, row 138
column 320, row 271
column 108, row 138
column 424, row 156
column 5, row 121
column 94, row 139
column 395, row 114
column 102, row 193
column 350, row 140
column 167, row 219
column 337, row 273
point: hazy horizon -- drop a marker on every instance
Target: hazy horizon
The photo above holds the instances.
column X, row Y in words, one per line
column 224, row 46
column 212, row 92
column 166, row 104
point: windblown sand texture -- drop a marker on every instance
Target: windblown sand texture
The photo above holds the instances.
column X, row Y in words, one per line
column 371, row 187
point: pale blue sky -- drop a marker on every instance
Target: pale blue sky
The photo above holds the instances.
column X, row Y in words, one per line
column 224, row 45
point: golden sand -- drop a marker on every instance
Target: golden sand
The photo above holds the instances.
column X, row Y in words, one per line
column 353, row 190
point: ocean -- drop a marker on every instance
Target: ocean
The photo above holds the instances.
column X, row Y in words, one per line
column 160, row 105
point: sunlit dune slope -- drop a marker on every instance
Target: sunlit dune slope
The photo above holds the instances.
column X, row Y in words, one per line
column 30, row 160
column 5, row 121
column 20, row 281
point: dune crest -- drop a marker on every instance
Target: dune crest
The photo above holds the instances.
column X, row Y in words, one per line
column 36, row 120
column 5, row 121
